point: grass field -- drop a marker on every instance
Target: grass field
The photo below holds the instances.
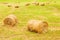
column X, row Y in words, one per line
column 50, row 13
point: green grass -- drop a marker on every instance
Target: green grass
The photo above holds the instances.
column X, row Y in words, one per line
column 25, row 13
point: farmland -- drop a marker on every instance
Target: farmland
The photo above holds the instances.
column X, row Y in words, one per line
column 49, row 12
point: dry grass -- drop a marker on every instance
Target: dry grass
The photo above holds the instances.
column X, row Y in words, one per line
column 23, row 13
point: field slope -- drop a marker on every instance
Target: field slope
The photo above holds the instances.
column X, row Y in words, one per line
column 50, row 13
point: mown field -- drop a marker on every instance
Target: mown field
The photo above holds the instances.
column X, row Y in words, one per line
column 50, row 13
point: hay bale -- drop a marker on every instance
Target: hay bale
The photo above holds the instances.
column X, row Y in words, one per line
column 36, row 3
column 27, row 4
column 42, row 4
column 37, row 26
column 10, row 20
column 9, row 5
column 16, row 6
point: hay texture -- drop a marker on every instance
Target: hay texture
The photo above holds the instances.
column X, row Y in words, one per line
column 27, row 4
column 10, row 20
column 16, row 6
column 37, row 26
column 36, row 3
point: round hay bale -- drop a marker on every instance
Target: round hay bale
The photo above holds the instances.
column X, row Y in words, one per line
column 36, row 3
column 10, row 20
column 42, row 4
column 27, row 4
column 9, row 5
column 17, row 6
column 37, row 26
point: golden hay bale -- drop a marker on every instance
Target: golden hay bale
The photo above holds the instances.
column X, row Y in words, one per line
column 10, row 20
column 9, row 5
column 42, row 4
column 16, row 6
column 27, row 4
column 36, row 3
column 37, row 26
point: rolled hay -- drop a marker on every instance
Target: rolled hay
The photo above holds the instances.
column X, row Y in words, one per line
column 36, row 3
column 27, row 4
column 16, row 6
column 10, row 20
column 42, row 4
column 9, row 5
column 37, row 26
